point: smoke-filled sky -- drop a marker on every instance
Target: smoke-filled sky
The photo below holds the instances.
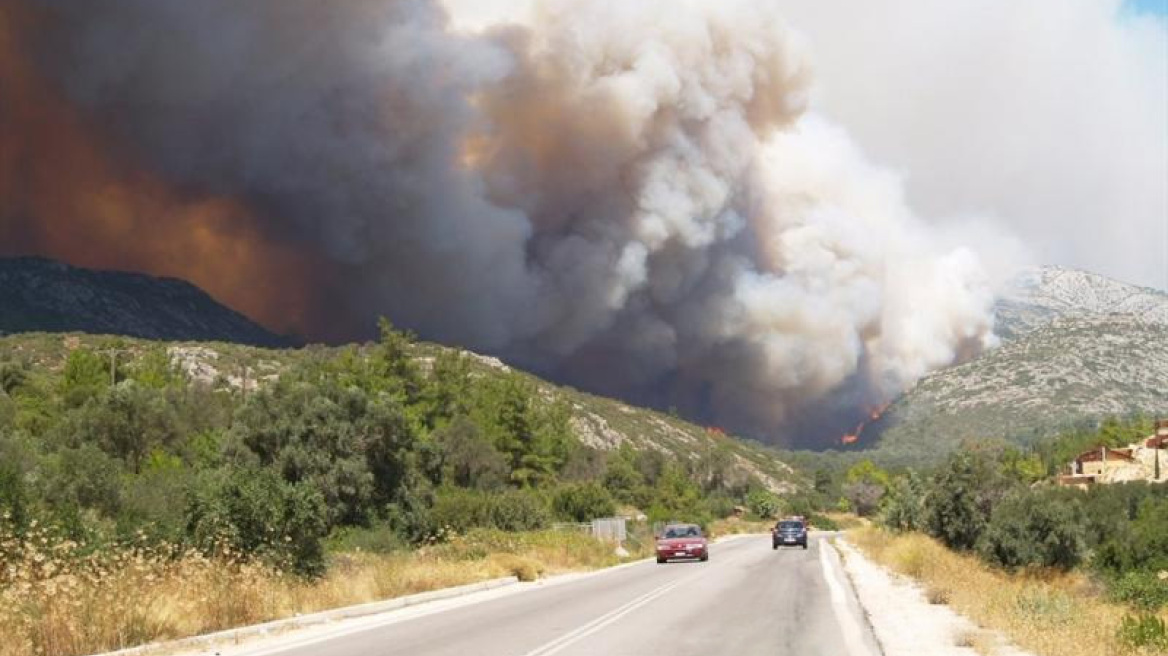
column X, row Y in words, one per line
column 767, row 214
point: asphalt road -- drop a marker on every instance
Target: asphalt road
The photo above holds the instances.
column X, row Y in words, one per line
column 747, row 600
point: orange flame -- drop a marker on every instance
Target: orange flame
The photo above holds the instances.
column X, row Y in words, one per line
column 874, row 413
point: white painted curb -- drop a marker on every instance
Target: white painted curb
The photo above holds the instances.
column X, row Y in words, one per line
column 300, row 621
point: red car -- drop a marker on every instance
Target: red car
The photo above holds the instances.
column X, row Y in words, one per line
column 682, row 541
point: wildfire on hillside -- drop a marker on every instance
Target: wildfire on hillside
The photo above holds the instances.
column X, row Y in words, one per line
column 874, row 413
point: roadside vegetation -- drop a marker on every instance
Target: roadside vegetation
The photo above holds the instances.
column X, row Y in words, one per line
column 1050, row 613
column 60, row 598
column 1054, row 568
column 137, row 503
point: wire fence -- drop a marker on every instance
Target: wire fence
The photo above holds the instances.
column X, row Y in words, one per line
column 573, row 527
column 608, row 529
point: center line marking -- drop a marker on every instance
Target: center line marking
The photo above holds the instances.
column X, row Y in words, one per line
column 599, row 623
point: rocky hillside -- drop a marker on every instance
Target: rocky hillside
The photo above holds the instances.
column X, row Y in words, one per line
column 597, row 422
column 1041, row 294
column 1076, row 348
column 605, row 424
column 42, row 295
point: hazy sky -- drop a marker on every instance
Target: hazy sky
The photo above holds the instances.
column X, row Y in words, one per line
column 1049, row 118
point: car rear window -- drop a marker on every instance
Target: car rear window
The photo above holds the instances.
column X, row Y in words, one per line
column 790, row 524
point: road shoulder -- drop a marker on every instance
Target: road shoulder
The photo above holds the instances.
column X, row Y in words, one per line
column 906, row 624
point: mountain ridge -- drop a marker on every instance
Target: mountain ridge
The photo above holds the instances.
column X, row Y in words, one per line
column 1040, row 294
column 40, row 294
column 1076, row 348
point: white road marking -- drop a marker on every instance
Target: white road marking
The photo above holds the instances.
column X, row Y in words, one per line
column 852, row 632
column 574, row 636
column 599, row 623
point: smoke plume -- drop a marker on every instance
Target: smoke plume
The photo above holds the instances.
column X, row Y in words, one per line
column 634, row 197
column 1048, row 115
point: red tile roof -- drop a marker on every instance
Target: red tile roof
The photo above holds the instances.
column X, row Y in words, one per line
column 1096, row 454
column 1155, row 442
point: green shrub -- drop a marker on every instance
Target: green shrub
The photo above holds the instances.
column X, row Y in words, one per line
column 863, row 498
column 763, row 504
column 409, row 514
column 720, row 505
column 1143, row 631
column 520, row 510
column 1129, row 527
column 904, row 504
column 804, row 505
column 1150, row 534
column 622, row 477
column 1143, row 589
column 86, row 375
column 84, row 477
column 864, row 486
column 461, row 510
column 315, row 435
column 15, row 496
column 469, row 459
column 148, row 503
column 961, row 497
column 256, row 512
column 12, row 376
column 583, row 502
column 378, row 538
column 1035, row 529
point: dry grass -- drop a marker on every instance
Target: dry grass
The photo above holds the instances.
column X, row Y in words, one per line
column 1048, row 613
column 847, row 521
column 56, row 600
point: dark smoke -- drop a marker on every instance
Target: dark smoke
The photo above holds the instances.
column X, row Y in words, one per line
column 632, row 197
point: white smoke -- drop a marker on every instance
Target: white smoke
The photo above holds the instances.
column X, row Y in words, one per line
column 763, row 260
column 631, row 196
column 1049, row 116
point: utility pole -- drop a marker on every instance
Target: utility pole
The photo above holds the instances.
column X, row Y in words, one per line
column 1159, row 441
column 113, row 354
